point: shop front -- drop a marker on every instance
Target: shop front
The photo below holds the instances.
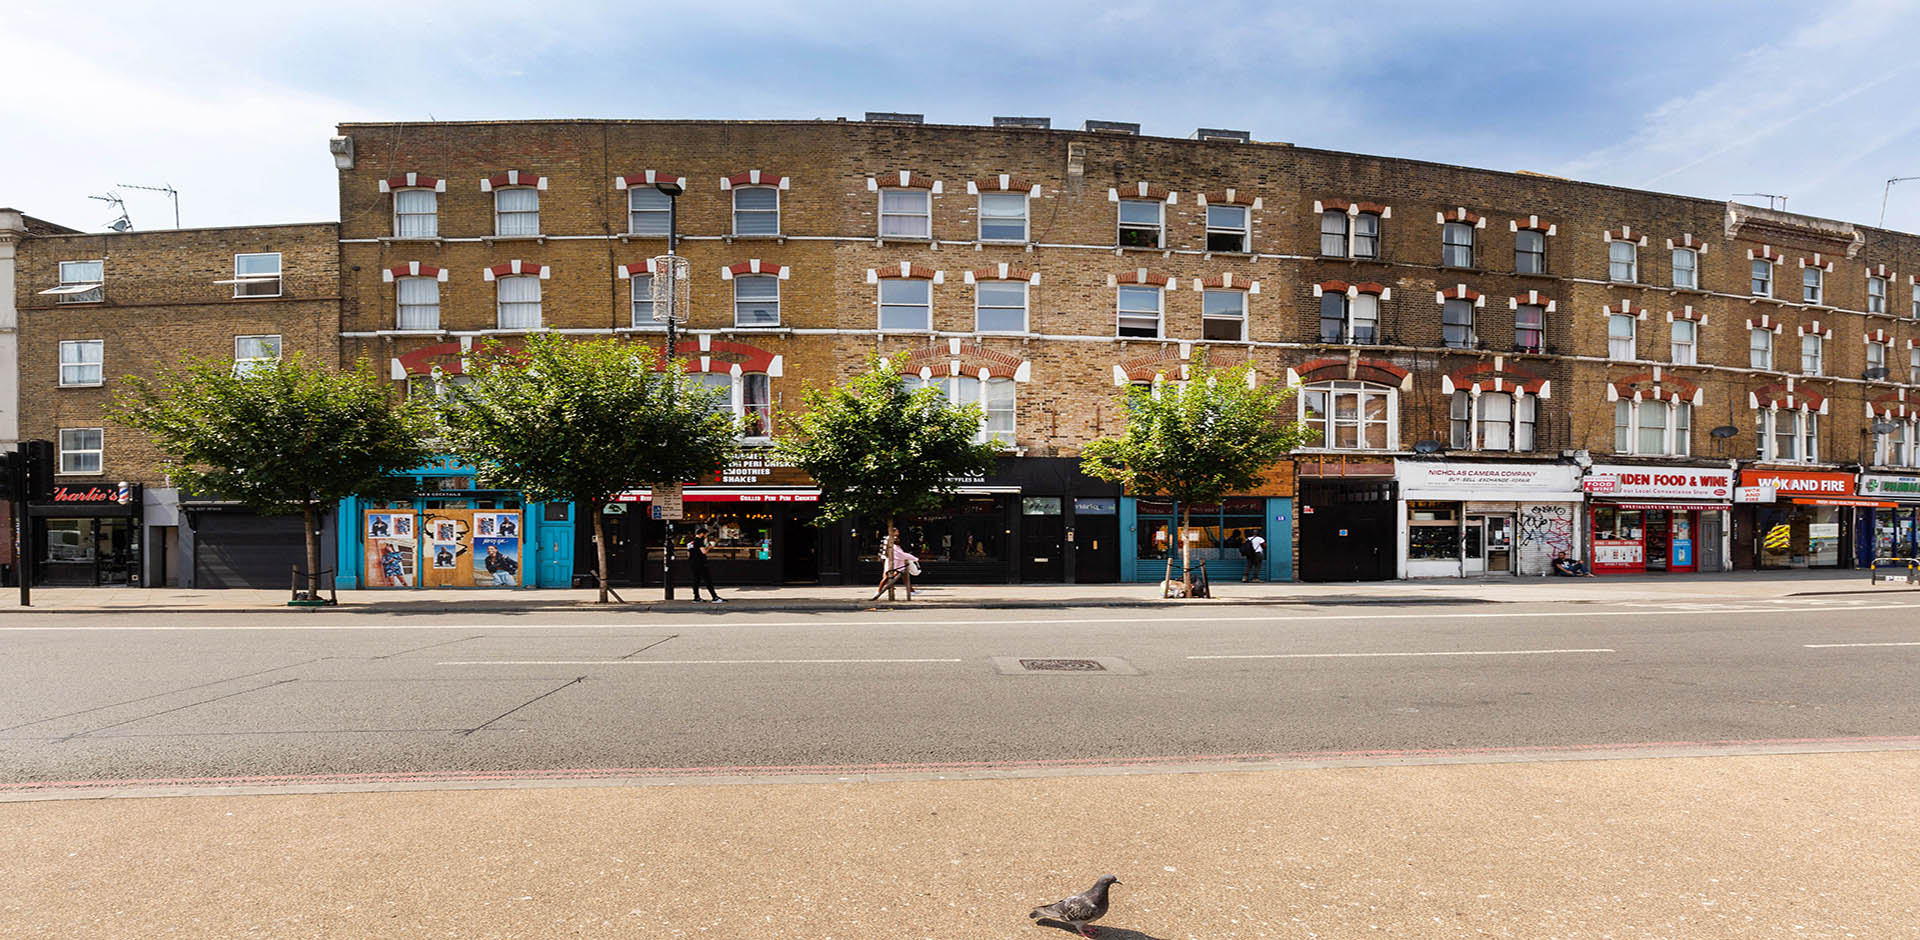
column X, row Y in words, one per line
column 1215, row 532
column 1657, row 519
column 1460, row 519
column 1032, row 520
column 759, row 514
column 453, row 534
column 88, row 535
column 1806, row 523
column 1891, row 528
column 1349, row 511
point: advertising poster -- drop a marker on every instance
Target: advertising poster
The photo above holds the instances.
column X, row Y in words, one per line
column 446, row 556
column 496, row 561
column 391, row 563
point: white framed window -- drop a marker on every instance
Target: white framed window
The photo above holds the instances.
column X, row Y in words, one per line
column 1876, row 359
column 649, row 212
column 1760, row 348
column 1334, row 233
column 1652, row 428
column 436, row 386
column 516, row 211
column 1913, row 366
column 518, row 301
column 256, row 274
column 906, row 213
column 1529, row 251
column 1916, row 300
column 1228, row 228
column 1686, row 339
column 82, row 362
column 1003, row 217
column 1493, row 421
column 1897, row 448
column 1456, row 324
column 721, row 383
column 1812, row 285
column 1000, row 306
column 1621, row 338
column 1346, row 319
column 82, row 282
column 1623, row 262
column 418, row 302
column 1686, row 268
column 995, row 396
column 1456, row 245
column 1352, row 415
column 1812, row 349
column 1783, row 435
column 1530, row 328
column 642, row 303
column 1142, row 223
column 1762, row 281
column 906, row 303
column 747, row 396
column 252, row 353
column 1223, row 315
column 80, row 449
column 1139, row 311
column 1876, row 294
column 756, row 300
column 756, row 210
column 1366, row 235
column 416, row 213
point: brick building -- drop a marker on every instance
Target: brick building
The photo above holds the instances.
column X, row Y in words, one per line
column 1504, row 366
column 94, row 308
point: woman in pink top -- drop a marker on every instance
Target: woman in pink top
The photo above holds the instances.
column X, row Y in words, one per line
column 898, row 570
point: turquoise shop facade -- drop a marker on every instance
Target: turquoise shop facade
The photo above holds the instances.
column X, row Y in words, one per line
column 1216, row 531
column 546, row 546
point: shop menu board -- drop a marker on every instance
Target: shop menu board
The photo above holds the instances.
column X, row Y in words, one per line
column 444, row 548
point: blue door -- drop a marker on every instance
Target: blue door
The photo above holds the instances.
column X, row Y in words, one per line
column 553, row 542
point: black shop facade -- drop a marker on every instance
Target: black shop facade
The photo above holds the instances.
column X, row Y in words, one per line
column 1032, row 520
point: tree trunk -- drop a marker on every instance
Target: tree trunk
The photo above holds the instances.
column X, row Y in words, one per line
column 600, row 545
column 313, row 552
column 1186, row 546
column 886, row 558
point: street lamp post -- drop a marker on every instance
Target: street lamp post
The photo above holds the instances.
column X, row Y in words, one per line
column 672, row 190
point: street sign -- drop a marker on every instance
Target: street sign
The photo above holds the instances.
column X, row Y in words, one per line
column 666, row 502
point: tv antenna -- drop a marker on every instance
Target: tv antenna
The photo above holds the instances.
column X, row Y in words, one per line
column 1774, row 201
column 122, row 223
column 1888, row 192
column 167, row 188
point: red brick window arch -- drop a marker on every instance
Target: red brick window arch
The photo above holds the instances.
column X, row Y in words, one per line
column 516, row 203
column 905, row 297
column 1350, row 229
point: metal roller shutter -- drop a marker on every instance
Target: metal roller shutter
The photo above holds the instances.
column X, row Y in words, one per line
column 242, row 550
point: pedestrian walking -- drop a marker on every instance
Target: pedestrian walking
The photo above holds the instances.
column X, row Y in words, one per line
column 901, row 567
column 1254, row 549
column 697, row 557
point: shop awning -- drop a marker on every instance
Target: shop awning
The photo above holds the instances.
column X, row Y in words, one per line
column 1672, row 506
column 1844, row 501
column 722, row 494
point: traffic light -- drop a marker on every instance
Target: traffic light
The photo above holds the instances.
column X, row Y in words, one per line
column 39, row 482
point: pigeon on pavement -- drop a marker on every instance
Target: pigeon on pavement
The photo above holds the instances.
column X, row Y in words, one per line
column 1081, row 909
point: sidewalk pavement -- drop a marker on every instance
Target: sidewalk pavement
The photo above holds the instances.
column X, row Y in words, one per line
column 1728, row 587
column 1716, row 848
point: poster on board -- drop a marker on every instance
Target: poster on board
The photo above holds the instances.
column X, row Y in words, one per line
column 496, row 561
column 446, row 556
column 391, row 563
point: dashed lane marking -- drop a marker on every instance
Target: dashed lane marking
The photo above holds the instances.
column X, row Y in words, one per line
column 1427, row 653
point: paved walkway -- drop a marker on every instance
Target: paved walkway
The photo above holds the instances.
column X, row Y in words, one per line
column 1707, row 588
column 1716, row 848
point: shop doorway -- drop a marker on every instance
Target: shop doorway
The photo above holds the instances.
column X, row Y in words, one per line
column 1042, row 540
column 1348, row 530
column 1487, row 545
column 1096, row 547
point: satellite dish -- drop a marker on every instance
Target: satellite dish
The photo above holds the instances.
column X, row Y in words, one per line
column 1877, row 372
column 1883, row 427
column 1429, row 447
column 1723, row 432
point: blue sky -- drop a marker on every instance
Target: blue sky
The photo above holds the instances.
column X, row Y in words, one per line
column 232, row 104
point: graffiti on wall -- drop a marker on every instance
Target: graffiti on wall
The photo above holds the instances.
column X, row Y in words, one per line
column 1547, row 528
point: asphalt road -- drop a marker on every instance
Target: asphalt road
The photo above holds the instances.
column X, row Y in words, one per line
column 159, row 698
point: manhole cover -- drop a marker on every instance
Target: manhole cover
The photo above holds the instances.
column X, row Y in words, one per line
column 1062, row 665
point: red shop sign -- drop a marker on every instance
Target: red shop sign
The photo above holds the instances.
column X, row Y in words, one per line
column 1800, row 482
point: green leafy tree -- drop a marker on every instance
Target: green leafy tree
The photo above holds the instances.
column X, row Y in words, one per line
column 880, row 449
column 565, row 420
column 280, row 437
column 1198, row 441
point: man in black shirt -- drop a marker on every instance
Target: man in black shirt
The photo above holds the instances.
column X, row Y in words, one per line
column 697, row 557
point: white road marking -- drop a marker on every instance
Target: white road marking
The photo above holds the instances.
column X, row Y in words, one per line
column 1828, row 646
column 1366, row 655
column 676, row 662
column 653, row 618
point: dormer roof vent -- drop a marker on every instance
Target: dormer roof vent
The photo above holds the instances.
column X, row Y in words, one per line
column 1039, row 122
column 1113, row 127
column 1218, row 133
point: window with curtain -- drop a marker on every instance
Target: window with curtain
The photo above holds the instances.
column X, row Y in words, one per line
column 1760, row 348
column 1812, row 348
column 82, row 282
column 1530, row 328
column 1223, row 315
column 1000, row 411
column 756, row 404
column 1895, row 448
column 418, row 299
column 643, row 303
column 1350, row 415
column 1456, row 245
column 906, row 213
column 906, row 304
column 1333, row 233
column 1363, row 319
column 1366, row 235
column 1529, row 252
column 416, row 213
column 1493, row 421
column 1762, row 277
column 1652, row 428
column 649, row 211
column 1784, row 435
column 756, row 210
column 1000, row 306
column 81, row 362
column 1913, row 366
column 1003, row 217
column 1623, row 263
column 756, row 300
column 516, row 211
column 1812, row 285
column 1876, row 294
column 1227, row 228
column 1456, row 324
column 519, row 302
column 1620, row 336
column 1686, row 268
column 1139, row 311
column 254, row 352
column 80, row 449
column 1685, row 345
